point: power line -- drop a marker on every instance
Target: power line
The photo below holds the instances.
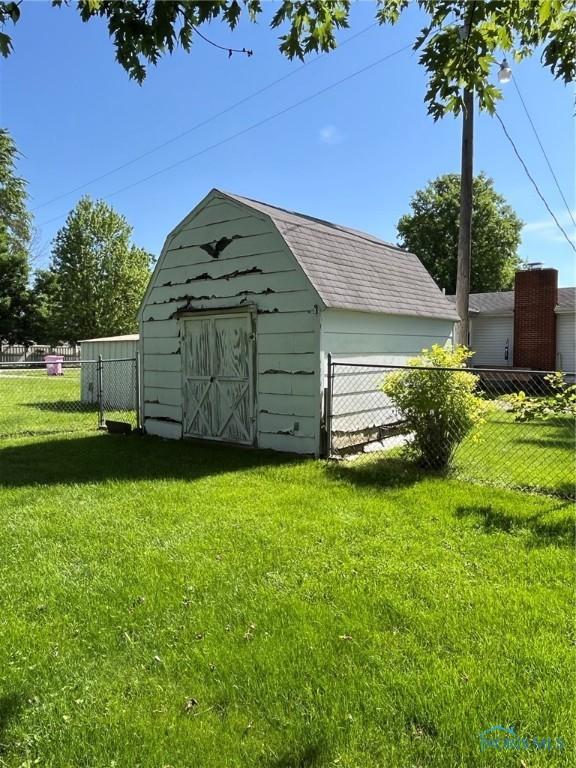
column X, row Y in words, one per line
column 527, row 172
column 559, row 188
column 201, row 124
column 249, row 128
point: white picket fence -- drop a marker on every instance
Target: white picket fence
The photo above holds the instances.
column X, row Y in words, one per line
column 19, row 353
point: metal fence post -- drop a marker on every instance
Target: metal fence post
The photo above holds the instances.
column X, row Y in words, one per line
column 329, row 396
column 100, row 391
column 137, row 377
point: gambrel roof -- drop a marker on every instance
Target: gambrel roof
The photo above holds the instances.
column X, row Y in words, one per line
column 354, row 270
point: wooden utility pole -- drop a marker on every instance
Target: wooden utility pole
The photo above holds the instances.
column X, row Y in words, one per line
column 465, row 226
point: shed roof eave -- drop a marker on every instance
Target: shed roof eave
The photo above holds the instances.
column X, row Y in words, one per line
column 369, row 310
column 126, row 337
column 493, row 313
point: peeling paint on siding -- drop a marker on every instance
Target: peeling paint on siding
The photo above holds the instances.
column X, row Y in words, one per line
column 265, row 292
column 229, row 276
column 216, row 247
column 168, row 419
column 258, row 271
column 189, row 306
column 290, row 373
column 207, row 276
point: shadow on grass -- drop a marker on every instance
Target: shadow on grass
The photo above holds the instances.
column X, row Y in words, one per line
column 544, row 433
column 305, row 756
column 383, row 472
column 565, row 442
column 10, row 706
column 63, row 406
column 98, row 458
column 555, row 526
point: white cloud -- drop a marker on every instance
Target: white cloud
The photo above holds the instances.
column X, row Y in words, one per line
column 538, row 226
column 547, row 229
column 329, row 134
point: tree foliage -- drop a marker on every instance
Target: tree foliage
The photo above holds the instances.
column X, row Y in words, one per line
column 15, row 233
column 41, row 318
column 438, row 402
column 99, row 276
column 431, row 232
column 458, row 45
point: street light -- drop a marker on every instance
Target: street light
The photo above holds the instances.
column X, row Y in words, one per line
column 504, row 73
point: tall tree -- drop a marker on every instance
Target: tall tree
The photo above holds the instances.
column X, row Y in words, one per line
column 15, row 232
column 143, row 30
column 431, row 232
column 100, row 276
column 41, row 318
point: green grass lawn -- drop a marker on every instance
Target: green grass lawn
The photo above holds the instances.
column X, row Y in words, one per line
column 538, row 455
column 33, row 403
column 170, row 604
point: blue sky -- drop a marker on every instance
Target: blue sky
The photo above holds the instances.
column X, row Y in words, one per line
column 354, row 154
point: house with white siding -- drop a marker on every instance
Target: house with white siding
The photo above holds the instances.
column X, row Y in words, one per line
column 245, row 304
column 531, row 327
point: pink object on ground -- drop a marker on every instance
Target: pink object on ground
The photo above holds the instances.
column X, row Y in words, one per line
column 53, row 364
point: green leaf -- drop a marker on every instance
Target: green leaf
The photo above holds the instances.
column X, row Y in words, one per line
column 5, row 45
column 544, row 11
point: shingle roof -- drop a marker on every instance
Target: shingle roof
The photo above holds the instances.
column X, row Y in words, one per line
column 566, row 300
column 354, row 270
column 490, row 303
column 126, row 337
column 503, row 302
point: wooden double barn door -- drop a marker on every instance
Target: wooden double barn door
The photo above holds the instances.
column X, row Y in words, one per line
column 218, row 377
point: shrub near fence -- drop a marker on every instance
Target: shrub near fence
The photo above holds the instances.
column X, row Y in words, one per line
column 364, row 424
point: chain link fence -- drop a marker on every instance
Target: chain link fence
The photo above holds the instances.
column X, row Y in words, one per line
column 364, row 425
column 56, row 396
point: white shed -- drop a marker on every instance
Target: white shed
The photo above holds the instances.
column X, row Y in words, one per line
column 118, row 370
column 244, row 305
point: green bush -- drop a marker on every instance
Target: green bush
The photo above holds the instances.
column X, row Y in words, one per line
column 561, row 401
column 440, row 406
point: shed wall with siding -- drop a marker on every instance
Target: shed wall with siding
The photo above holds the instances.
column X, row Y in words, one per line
column 253, row 272
column 369, row 338
column 118, row 379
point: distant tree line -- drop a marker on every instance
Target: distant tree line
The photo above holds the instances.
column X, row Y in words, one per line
column 96, row 276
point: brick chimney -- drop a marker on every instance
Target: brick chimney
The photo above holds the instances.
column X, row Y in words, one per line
column 535, row 298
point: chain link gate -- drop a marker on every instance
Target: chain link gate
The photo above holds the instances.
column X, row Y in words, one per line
column 362, row 424
column 118, row 393
column 59, row 396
